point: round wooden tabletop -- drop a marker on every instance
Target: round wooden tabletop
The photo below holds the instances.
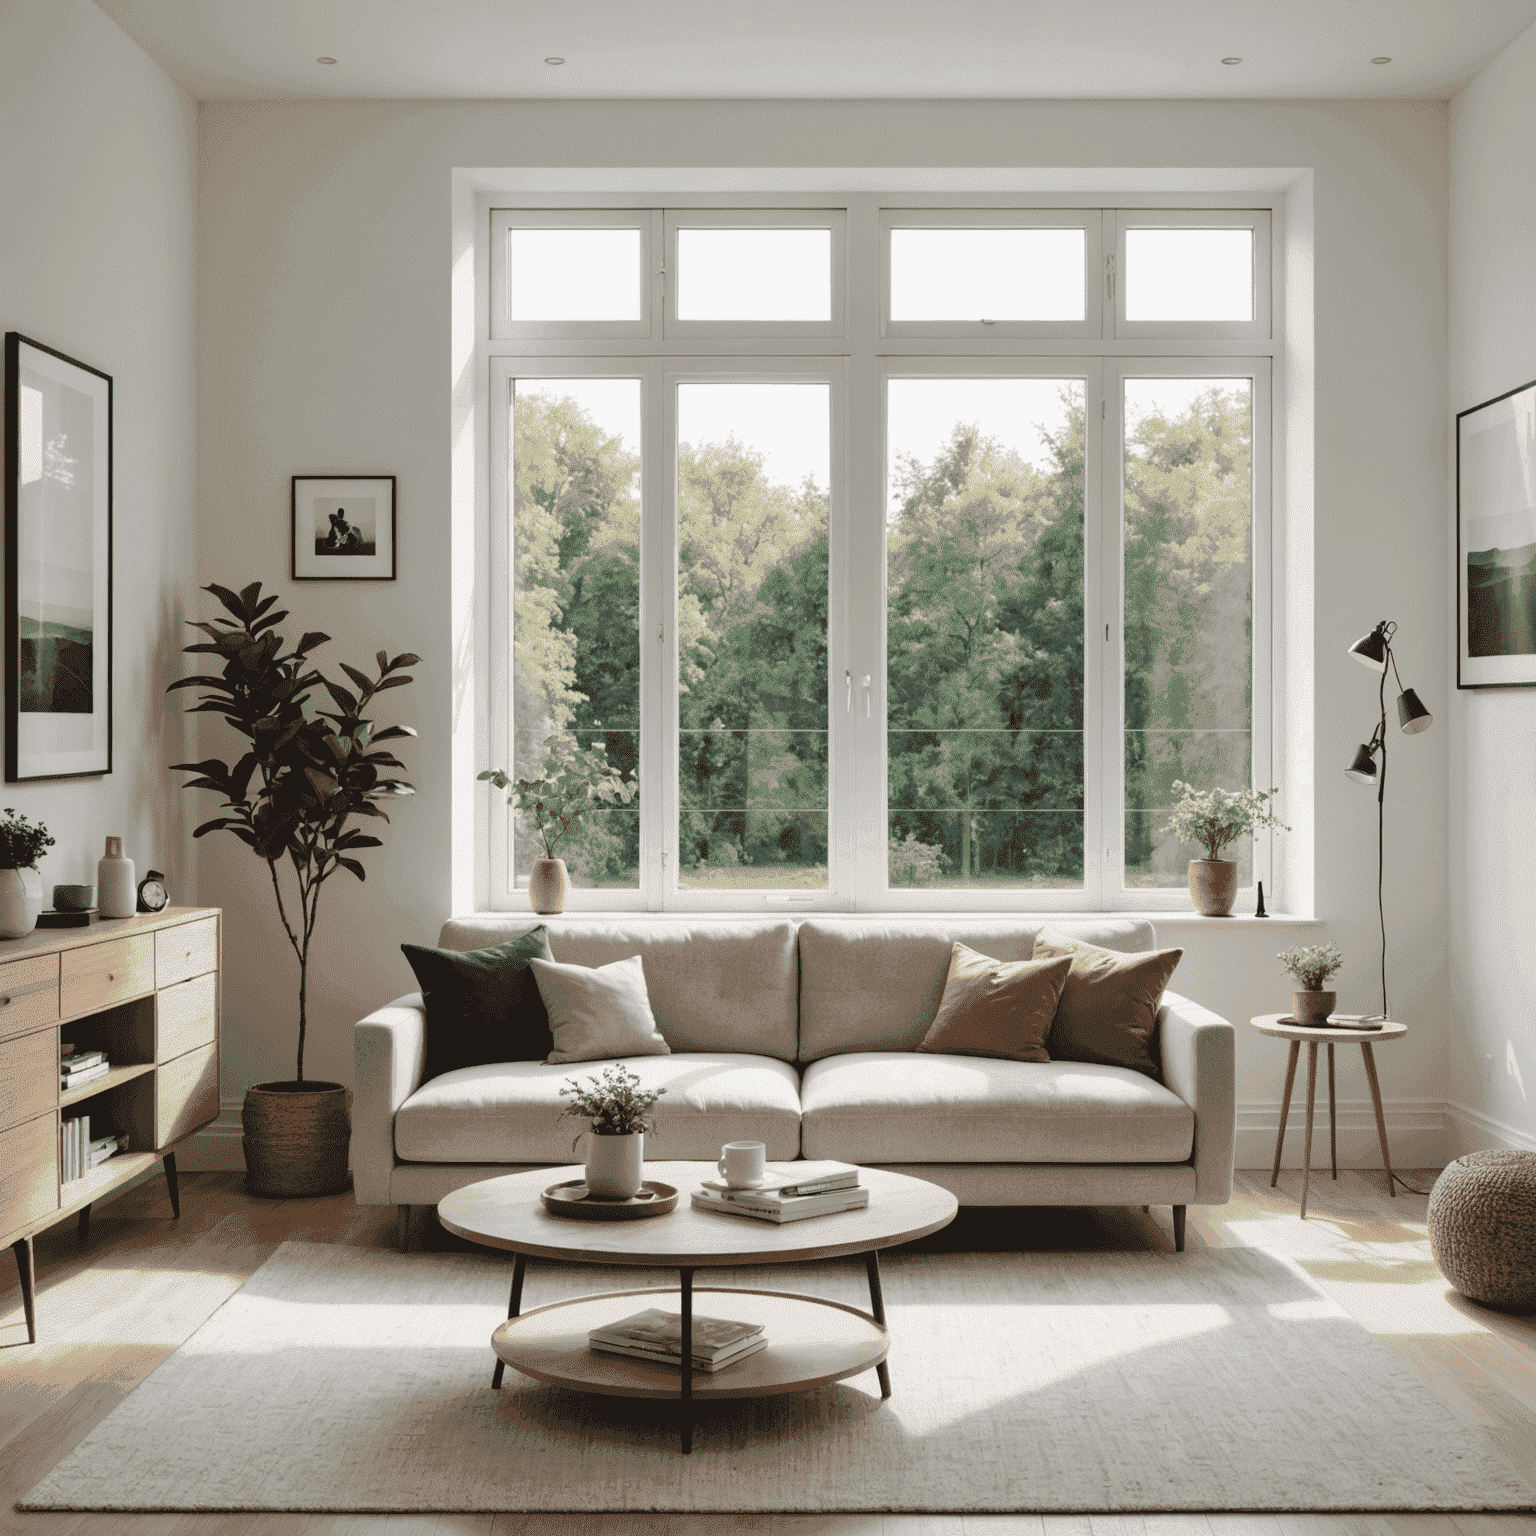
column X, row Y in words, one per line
column 507, row 1213
column 1273, row 1025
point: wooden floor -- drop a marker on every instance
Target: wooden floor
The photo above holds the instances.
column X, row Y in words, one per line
column 108, row 1314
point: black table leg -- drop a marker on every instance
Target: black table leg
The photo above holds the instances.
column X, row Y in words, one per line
column 877, row 1307
column 514, row 1306
column 85, row 1225
column 27, row 1274
column 169, row 1160
column 686, row 1364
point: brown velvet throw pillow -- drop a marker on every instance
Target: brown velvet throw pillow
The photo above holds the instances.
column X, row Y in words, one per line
column 1108, row 1008
column 999, row 1008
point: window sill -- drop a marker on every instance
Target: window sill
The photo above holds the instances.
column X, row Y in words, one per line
column 1160, row 920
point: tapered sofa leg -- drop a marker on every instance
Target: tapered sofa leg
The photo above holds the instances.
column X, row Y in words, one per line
column 1178, row 1228
column 403, row 1227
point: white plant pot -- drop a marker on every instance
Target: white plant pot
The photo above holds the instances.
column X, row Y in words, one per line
column 21, row 899
column 547, row 885
column 615, row 1165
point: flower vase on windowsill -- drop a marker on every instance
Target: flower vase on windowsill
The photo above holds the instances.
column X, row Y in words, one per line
column 1216, row 818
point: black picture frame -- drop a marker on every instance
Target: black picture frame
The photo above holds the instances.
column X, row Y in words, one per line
column 58, row 565
column 1496, row 541
column 360, row 533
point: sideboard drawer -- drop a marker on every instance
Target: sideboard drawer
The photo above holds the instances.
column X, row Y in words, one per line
column 100, row 975
column 29, row 1076
column 187, row 1017
column 29, row 1172
column 189, row 950
column 186, row 1094
column 29, row 994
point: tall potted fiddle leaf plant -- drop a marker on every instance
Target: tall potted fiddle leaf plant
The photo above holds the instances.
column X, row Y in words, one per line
column 304, row 774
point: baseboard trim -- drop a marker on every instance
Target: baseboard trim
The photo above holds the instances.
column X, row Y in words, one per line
column 217, row 1148
column 1470, row 1130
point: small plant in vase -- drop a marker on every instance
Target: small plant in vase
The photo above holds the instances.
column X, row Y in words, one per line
column 573, row 781
column 1312, row 965
column 1214, row 819
column 22, row 844
column 617, row 1111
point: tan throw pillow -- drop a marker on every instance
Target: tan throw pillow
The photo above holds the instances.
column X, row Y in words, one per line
column 999, row 1008
column 1108, row 1008
column 598, row 1011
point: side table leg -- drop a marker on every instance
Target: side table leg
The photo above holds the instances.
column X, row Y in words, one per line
column 1285, row 1108
column 27, row 1274
column 1381, row 1123
column 686, row 1363
column 85, row 1225
column 877, row 1307
column 1333, row 1133
column 169, row 1161
column 514, row 1306
column 1306, row 1165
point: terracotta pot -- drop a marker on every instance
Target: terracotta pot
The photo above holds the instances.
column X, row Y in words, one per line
column 296, row 1138
column 1213, row 885
column 1312, row 1007
column 547, row 885
column 21, row 899
column 615, row 1165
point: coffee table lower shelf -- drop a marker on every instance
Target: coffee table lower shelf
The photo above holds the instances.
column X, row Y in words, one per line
column 811, row 1342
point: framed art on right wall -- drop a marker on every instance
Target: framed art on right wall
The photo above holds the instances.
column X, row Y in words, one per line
column 1496, row 542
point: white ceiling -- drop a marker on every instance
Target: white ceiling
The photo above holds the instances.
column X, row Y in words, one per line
column 495, row 49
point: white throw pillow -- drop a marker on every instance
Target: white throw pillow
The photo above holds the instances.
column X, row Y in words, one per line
column 596, row 1012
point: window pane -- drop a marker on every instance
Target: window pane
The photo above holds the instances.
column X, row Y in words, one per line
column 574, row 274
column 1188, row 609
column 753, row 477
column 576, row 607
column 754, row 274
column 987, row 274
column 1189, row 274
column 984, row 660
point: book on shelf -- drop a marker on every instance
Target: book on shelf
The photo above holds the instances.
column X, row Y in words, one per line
column 796, row 1208
column 700, row 1362
column 655, row 1329
column 811, row 1177
column 74, row 1147
column 74, row 1079
column 71, row 1058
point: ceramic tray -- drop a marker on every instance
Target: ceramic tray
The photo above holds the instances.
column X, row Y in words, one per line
column 572, row 1199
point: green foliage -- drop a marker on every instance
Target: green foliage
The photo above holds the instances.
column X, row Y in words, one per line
column 21, row 842
column 1312, row 964
column 1215, row 817
column 910, row 862
column 575, row 780
column 614, row 1103
column 305, row 773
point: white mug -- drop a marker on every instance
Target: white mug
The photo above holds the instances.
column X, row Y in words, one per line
column 741, row 1163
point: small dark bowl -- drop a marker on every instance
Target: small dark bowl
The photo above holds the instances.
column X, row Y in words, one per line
column 73, row 898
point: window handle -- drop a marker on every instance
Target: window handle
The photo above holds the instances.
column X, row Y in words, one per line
column 848, row 677
column 864, row 683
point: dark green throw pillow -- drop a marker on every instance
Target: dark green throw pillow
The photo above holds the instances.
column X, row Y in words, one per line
column 483, row 1005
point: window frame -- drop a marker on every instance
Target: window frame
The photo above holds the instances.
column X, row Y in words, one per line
column 1258, row 220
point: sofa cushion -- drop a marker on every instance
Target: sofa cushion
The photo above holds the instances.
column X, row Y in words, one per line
column 510, row 1113
column 874, row 984
column 898, row 1107
column 598, row 1011
column 997, row 1008
column 713, row 985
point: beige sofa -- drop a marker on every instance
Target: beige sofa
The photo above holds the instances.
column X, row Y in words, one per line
column 801, row 1034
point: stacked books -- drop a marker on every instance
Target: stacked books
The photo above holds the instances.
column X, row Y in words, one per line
column 77, row 1067
column 654, row 1335
column 78, row 1152
column 789, row 1192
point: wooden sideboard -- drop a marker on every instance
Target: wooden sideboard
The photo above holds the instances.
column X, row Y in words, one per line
column 143, row 989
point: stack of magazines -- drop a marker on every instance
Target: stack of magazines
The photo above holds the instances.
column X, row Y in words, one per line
column 77, row 1067
column 789, row 1192
column 653, row 1335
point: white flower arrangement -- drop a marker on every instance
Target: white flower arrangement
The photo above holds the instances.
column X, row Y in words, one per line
column 1216, row 817
column 1312, row 964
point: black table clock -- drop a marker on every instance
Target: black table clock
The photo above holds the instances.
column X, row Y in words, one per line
column 153, row 896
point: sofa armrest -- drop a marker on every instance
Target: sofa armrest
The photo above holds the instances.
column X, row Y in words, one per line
column 1200, row 1065
column 389, row 1049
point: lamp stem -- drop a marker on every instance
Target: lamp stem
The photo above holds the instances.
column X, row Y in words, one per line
column 1381, row 832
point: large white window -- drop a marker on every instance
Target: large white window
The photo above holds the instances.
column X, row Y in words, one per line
column 904, row 556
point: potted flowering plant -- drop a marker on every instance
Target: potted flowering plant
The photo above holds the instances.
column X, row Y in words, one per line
column 21, row 886
column 617, row 1111
column 1214, row 818
column 1312, row 965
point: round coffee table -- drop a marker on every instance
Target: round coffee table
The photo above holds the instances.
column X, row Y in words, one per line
column 811, row 1341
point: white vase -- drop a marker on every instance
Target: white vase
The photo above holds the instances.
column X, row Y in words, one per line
column 21, row 899
column 615, row 1165
column 547, row 885
column 116, row 894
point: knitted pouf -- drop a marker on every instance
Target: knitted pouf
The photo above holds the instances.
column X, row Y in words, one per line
column 1482, row 1227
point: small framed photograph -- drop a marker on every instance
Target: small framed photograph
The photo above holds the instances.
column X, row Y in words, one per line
column 1496, row 542
column 58, row 565
column 343, row 527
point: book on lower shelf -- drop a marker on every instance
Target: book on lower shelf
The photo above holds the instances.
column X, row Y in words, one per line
column 700, row 1362
column 653, row 1329
column 792, row 1208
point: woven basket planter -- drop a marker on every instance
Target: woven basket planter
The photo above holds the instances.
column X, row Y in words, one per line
column 1482, row 1227
column 296, row 1138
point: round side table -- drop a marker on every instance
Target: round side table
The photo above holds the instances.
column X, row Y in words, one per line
column 1275, row 1026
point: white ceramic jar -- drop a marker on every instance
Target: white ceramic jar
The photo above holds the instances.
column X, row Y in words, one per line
column 116, row 893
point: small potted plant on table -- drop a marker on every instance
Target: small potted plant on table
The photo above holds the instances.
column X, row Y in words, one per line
column 21, row 886
column 1214, row 818
column 617, row 1110
column 1312, row 965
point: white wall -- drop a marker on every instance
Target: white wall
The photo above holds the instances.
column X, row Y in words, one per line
column 324, row 328
column 98, row 153
column 1492, row 1046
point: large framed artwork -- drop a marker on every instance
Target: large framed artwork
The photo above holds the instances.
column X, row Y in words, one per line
column 1496, row 542
column 58, row 564
column 343, row 527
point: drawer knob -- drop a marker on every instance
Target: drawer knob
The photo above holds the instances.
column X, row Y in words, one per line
column 110, row 976
column 5, row 1002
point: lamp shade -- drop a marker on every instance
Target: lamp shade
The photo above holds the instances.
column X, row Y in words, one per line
column 1371, row 649
column 1363, row 769
column 1411, row 714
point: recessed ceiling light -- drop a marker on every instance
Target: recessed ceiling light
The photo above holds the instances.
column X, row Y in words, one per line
column 1232, row 61
column 325, row 60
column 1381, row 59
column 554, row 59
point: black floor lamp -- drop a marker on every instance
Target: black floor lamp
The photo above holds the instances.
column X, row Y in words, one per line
column 1375, row 650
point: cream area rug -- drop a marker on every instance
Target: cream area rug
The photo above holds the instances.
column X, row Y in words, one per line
column 342, row 1379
